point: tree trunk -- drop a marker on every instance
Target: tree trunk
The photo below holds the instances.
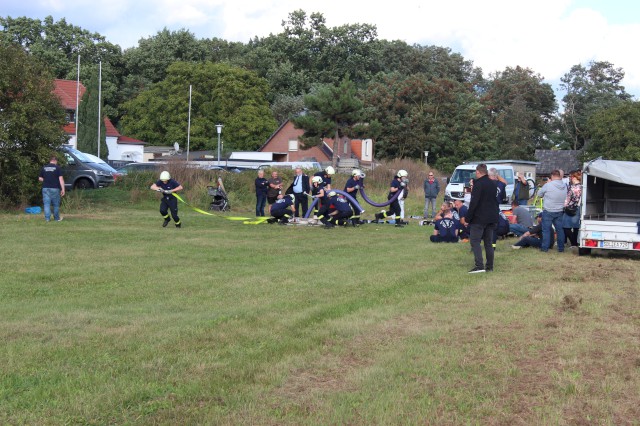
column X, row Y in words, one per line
column 336, row 149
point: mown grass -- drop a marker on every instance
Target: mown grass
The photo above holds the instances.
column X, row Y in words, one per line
column 107, row 318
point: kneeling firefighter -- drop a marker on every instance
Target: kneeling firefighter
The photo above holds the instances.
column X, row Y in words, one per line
column 168, row 186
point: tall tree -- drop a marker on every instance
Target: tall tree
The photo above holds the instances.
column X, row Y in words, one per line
column 87, row 132
column 613, row 133
column 32, row 121
column 221, row 94
column 441, row 116
column 332, row 111
column 589, row 89
column 522, row 107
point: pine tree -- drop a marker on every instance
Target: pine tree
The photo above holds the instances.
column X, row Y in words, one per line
column 88, row 121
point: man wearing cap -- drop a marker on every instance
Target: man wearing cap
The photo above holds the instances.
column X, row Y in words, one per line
column 168, row 186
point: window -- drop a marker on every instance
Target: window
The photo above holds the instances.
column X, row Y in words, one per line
column 293, row 145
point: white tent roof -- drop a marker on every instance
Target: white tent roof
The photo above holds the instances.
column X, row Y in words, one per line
column 627, row 172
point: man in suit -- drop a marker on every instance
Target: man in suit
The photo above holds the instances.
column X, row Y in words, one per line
column 301, row 188
column 482, row 218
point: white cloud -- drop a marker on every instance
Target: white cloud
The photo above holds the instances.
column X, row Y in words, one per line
column 548, row 36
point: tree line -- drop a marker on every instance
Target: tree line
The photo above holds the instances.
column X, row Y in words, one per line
column 408, row 98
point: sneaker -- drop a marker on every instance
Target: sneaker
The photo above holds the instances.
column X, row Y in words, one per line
column 516, row 247
column 165, row 223
column 464, row 240
column 59, row 220
column 476, row 270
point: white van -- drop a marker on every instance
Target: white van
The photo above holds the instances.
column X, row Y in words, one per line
column 306, row 165
column 465, row 172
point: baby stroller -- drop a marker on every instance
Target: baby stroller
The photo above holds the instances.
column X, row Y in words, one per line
column 220, row 201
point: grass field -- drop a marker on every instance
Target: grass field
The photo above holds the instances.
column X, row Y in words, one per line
column 107, row 318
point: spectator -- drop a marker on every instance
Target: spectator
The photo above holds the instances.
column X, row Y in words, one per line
column 533, row 237
column 553, row 194
column 521, row 190
column 300, row 189
column 467, row 193
column 482, row 218
column 446, row 229
column 459, row 212
column 262, row 187
column 52, row 188
column 275, row 188
column 431, row 191
column 521, row 219
column 571, row 222
column 501, row 192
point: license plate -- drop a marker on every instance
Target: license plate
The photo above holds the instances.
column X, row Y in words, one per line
column 615, row 244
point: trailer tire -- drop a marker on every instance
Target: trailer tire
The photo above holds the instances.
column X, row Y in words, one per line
column 583, row 251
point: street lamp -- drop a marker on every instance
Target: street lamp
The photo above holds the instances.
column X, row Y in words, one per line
column 219, row 130
column 426, row 156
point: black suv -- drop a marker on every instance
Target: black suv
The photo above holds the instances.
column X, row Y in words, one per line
column 81, row 172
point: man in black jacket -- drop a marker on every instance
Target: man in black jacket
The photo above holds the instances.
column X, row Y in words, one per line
column 482, row 218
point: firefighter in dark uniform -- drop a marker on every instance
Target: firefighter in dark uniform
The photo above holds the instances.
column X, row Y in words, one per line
column 168, row 186
column 326, row 177
column 283, row 209
column 339, row 211
column 397, row 184
column 319, row 191
column 354, row 184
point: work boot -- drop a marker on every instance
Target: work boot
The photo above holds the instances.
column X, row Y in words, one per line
column 379, row 216
column 166, row 222
column 272, row 220
column 178, row 225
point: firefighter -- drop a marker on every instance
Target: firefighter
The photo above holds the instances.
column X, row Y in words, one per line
column 168, row 186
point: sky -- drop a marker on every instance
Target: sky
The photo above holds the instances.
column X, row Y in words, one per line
column 547, row 36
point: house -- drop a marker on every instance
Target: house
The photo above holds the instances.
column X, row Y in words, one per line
column 121, row 148
column 285, row 146
column 552, row 159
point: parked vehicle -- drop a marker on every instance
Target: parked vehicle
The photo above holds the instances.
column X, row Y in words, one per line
column 307, row 165
column 137, row 167
column 81, row 172
column 102, row 163
column 465, row 172
column 610, row 216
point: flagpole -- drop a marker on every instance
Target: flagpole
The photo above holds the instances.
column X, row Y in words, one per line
column 189, row 125
column 77, row 100
column 99, row 104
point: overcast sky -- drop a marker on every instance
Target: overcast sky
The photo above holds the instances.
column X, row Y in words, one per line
column 547, row 36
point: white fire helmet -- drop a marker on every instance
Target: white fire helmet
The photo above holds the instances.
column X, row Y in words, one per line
column 316, row 179
column 402, row 173
column 356, row 172
column 165, row 175
column 330, row 171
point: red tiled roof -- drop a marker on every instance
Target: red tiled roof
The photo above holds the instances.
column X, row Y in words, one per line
column 70, row 128
column 130, row 141
column 66, row 92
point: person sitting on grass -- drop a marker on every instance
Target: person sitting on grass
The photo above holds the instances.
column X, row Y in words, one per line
column 533, row 237
column 445, row 229
column 459, row 212
column 522, row 219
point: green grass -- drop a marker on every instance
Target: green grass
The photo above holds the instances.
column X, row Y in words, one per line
column 107, row 318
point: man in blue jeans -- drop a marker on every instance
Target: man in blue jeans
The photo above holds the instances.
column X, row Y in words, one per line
column 553, row 194
column 52, row 188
